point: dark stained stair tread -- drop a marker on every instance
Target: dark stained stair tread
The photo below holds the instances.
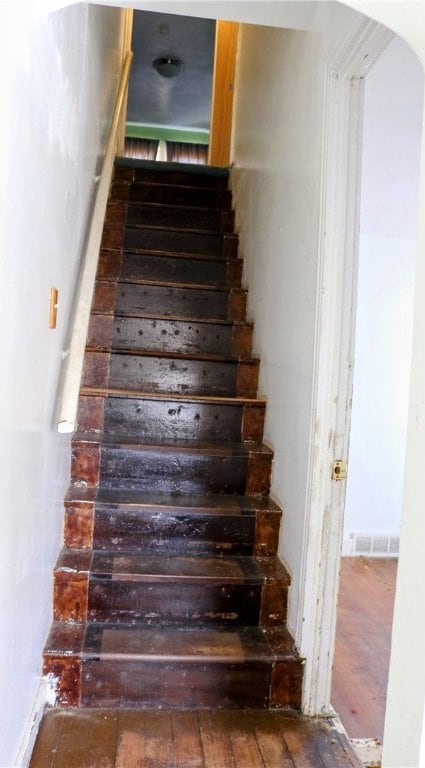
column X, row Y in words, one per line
column 159, row 214
column 200, row 590
column 201, row 197
column 212, row 644
column 133, row 169
column 171, row 354
column 156, row 299
column 140, row 667
column 127, row 520
column 173, row 446
column 207, row 503
column 170, row 268
column 172, row 241
column 175, row 568
column 173, row 334
column 164, row 415
column 155, row 371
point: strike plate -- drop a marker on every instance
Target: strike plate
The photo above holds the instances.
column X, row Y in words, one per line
column 339, row 470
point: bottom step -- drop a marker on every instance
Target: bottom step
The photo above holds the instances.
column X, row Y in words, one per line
column 100, row 665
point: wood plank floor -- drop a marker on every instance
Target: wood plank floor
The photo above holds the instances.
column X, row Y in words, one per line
column 205, row 739
column 363, row 642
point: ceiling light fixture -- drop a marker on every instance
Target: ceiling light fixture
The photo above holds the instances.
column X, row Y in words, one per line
column 168, row 67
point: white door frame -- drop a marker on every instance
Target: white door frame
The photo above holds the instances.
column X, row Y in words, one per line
column 334, row 351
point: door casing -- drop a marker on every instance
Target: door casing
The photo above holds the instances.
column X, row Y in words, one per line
column 333, row 352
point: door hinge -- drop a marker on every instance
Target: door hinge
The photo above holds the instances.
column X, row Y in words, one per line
column 339, row 470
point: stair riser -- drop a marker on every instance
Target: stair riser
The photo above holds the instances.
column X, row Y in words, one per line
column 166, row 532
column 195, row 177
column 143, row 238
column 165, row 269
column 112, row 598
column 168, row 472
column 170, row 375
column 175, row 241
column 163, row 216
column 138, row 267
column 227, row 605
column 178, row 195
column 172, row 475
column 127, row 174
column 175, row 686
column 143, row 685
column 127, row 333
column 127, row 529
column 140, row 300
column 163, row 419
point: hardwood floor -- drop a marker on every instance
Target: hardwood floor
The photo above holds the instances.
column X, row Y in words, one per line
column 363, row 640
column 82, row 738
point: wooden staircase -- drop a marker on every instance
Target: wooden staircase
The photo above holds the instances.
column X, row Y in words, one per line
column 168, row 592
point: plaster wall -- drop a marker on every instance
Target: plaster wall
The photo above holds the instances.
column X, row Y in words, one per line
column 388, row 228
column 276, row 181
column 57, row 100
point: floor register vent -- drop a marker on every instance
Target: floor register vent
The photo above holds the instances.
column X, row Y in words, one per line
column 375, row 544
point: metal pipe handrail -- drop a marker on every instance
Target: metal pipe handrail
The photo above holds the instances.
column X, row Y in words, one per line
column 75, row 358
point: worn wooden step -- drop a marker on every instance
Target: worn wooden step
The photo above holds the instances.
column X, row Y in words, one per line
column 144, row 667
column 172, row 194
column 171, row 373
column 172, row 335
column 129, row 520
column 181, row 269
column 172, row 466
column 152, row 415
column 128, row 170
column 145, row 238
column 204, row 590
column 181, row 217
column 170, row 240
column 167, row 299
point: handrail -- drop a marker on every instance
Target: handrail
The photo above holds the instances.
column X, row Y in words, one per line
column 75, row 358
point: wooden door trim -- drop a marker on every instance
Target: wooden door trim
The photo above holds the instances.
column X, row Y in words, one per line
column 226, row 40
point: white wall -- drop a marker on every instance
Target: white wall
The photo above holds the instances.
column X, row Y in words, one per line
column 59, row 82
column 276, row 180
column 389, row 211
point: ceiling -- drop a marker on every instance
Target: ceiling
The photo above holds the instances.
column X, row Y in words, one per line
column 184, row 101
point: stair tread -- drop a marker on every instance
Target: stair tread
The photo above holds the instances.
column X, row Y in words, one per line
column 141, row 395
column 171, row 354
column 164, row 644
column 175, row 568
column 208, row 503
column 177, row 206
column 173, row 227
column 176, row 318
column 169, row 445
column 172, row 185
column 165, row 166
column 171, row 284
column 192, row 256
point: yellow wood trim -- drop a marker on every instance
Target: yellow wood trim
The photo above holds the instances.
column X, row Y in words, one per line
column 226, row 40
column 126, row 47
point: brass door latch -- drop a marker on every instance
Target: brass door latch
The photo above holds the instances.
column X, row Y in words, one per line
column 339, row 470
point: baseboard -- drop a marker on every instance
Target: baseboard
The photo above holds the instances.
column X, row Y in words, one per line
column 42, row 700
column 371, row 545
